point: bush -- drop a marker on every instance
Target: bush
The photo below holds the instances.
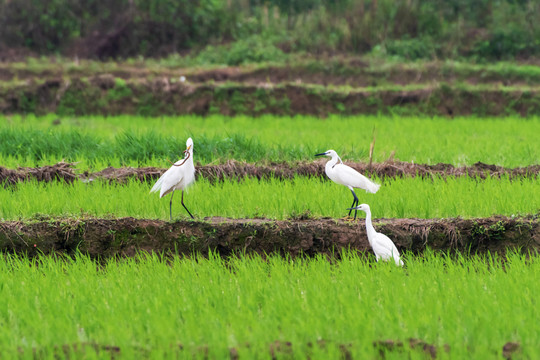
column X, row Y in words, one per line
column 156, row 28
column 251, row 50
column 504, row 45
column 412, row 49
column 114, row 28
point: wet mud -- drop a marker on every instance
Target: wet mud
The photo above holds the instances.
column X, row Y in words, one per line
column 233, row 169
column 103, row 238
column 276, row 349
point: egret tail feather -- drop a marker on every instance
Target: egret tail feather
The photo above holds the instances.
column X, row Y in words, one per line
column 157, row 185
column 372, row 187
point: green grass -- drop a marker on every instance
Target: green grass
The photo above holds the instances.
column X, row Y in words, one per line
column 376, row 67
column 147, row 306
column 397, row 198
column 98, row 142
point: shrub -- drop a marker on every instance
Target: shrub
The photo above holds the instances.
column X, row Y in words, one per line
column 251, row 50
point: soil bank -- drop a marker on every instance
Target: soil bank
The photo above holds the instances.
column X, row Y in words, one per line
column 126, row 236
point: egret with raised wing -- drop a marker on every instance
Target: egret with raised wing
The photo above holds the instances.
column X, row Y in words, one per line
column 342, row 174
column 179, row 176
column 381, row 244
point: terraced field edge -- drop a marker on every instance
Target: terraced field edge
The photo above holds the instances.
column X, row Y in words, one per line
column 233, row 169
column 104, row 238
column 98, row 96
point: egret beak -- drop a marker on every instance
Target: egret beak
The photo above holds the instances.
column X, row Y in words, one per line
column 353, row 208
column 321, row 154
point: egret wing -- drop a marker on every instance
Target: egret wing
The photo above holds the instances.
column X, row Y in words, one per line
column 171, row 179
column 159, row 183
column 385, row 247
column 347, row 176
column 168, row 181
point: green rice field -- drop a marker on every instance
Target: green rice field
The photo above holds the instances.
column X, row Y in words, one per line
column 246, row 307
column 275, row 199
column 98, row 142
column 203, row 308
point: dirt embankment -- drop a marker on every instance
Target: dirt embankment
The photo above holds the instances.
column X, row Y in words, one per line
column 234, row 169
column 58, row 172
column 127, row 236
column 351, row 72
column 107, row 96
column 318, row 87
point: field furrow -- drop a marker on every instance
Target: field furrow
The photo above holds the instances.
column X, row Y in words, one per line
column 84, row 97
column 308, row 88
column 105, row 237
column 68, row 172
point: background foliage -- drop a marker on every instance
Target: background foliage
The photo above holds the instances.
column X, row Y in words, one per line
column 410, row 29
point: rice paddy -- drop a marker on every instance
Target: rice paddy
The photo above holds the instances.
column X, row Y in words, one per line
column 275, row 199
column 210, row 308
column 153, row 306
column 98, row 142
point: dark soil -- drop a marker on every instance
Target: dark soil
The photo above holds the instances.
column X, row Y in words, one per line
column 58, row 172
column 103, row 95
column 320, row 87
column 385, row 346
column 276, row 349
column 386, row 169
column 126, row 236
column 234, row 169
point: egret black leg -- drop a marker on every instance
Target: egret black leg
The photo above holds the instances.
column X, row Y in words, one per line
column 355, row 201
column 185, row 205
column 170, row 206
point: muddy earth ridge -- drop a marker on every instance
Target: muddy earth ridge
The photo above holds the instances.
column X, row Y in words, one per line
column 302, row 236
column 234, row 169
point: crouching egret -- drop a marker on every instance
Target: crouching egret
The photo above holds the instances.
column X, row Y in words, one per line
column 342, row 174
column 178, row 177
column 381, row 244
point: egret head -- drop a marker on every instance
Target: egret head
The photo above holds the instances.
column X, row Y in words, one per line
column 189, row 144
column 363, row 207
column 330, row 153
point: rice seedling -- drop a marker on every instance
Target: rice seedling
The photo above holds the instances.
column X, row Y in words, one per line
column 149, row 307
column 251, row 198
column 140, row 141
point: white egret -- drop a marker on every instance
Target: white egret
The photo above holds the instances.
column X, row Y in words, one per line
column 178, row 177
column 381, row 244
column 342, row 174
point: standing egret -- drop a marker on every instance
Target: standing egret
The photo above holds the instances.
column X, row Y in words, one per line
column 342, row 174
column 381, row 244
column 178, row 177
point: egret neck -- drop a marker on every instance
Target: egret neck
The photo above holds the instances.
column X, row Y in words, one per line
column 333, row 162
column 369, row 227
